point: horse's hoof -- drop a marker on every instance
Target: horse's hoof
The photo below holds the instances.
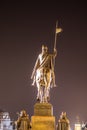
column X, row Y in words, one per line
column 38, row 99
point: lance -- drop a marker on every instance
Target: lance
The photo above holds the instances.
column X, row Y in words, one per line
column 55, row 35
column 57, row 30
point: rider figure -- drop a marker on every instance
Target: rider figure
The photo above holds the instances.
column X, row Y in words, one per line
column 43, row 73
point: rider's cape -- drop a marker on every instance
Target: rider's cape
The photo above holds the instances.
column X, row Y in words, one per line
column 46, row 63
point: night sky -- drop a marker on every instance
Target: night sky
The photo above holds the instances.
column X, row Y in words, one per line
column 24, row 27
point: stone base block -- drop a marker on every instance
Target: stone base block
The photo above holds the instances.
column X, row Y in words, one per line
column 43, row 122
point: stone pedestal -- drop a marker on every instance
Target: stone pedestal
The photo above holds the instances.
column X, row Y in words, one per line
column 43, row 118
column 43, row 109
